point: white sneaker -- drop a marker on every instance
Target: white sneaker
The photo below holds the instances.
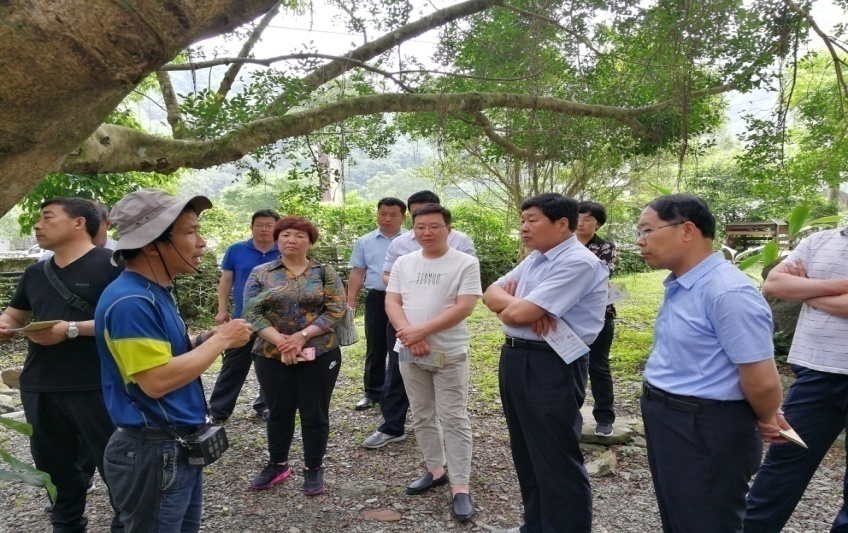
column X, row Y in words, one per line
column 380, row 439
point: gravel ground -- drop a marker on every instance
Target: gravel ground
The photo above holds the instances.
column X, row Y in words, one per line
column 360, row 480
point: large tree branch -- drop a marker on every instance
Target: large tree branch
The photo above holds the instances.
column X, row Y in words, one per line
column 66, row 65
column 370, row 50
column 129, row 150
column 232, row 72
column 172, row 106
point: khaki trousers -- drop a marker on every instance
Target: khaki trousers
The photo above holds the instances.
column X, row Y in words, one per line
column 439, row 400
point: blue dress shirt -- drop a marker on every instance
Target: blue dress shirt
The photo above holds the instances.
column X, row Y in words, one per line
column 569, row 282
column 369, row 253
column 712, row 319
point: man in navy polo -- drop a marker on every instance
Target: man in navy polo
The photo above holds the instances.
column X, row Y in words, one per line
column 238, row 262
column 710, row 380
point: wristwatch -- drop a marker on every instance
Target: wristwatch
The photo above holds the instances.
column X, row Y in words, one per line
column 73, row 330
column 305, row 334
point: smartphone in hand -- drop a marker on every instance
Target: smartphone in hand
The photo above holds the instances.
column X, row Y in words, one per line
column 307, row 354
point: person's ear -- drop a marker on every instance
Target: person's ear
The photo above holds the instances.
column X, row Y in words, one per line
column 691, row 232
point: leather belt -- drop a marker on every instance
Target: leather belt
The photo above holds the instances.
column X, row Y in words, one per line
column 683, row 403
column 535, row 346
column 156, row 433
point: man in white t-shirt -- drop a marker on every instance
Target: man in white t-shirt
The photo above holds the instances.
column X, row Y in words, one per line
column 430, row 294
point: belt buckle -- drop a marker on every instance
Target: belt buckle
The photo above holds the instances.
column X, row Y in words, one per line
column 509, row 341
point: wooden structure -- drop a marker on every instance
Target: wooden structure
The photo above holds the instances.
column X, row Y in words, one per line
column 741, row 236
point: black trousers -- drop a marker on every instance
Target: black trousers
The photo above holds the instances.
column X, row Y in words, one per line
column 393, row 401
column 306, row 388
column 234, row 370
column 540, row 402
column 701, row 463
column 68, row 430
column 376, row 321
column 600, row 376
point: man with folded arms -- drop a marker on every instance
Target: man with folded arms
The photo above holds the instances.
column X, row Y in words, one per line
column 710, row 378
column 561, row 279
column 430, row 294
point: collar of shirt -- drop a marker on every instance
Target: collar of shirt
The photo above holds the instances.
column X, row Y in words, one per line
column 252, row 245
column 699, row 271
column 552, row 254
column 278, row 263
column 379, row 233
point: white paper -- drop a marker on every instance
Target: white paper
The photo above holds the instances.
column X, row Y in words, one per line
column 617, row 293
column 436, row 359
column 565, row 342
column 36, row 326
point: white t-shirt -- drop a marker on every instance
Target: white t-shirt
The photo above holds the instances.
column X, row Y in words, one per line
column 429, row 286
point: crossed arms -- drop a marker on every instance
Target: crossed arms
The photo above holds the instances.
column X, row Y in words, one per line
column 790, row 282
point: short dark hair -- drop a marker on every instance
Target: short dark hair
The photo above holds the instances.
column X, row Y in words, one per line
column 594, row 209
column 296, row 223
column 423, row 197
column 685, row 208
column 555, row 206
column 429, row 209
column 79, row 207
column 392, row 201
column 264, row 213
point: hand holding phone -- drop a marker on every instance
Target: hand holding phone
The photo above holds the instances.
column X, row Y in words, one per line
column 307, row 354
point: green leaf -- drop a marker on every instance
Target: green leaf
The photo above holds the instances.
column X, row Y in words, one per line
column 31, row 476
column 825, row 221
column 771, row 252
column 751, row 261
column 20, row 427
column 797, row 218
column 660, row 189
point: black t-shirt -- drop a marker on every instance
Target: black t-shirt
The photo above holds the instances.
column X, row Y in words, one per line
column 73, row 364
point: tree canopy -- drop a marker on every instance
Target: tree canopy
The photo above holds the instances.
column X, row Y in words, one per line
column 535, row 93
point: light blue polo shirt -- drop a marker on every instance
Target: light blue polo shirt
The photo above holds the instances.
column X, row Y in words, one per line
column 569, row 282
column 712, row 319
column 369, row 253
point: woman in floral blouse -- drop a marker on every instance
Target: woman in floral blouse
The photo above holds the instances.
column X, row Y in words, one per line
column 294, row 304
column 591, row 217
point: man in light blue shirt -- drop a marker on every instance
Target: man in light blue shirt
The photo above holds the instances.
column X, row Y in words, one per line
column 541, row 394
column 710, row 378
column 366, row 261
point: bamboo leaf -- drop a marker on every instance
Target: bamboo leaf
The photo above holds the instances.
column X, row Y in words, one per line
column 771, row 252
column 797, row 219
column 749, row 262
column 825, row 221
column 20, row 427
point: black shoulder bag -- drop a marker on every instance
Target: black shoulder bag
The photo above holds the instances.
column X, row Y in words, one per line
column 72, row 299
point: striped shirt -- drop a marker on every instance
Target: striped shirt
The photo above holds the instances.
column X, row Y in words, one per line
column 821, row 339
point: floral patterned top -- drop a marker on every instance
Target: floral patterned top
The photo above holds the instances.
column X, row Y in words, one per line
column 605, row 251
column 275, row 297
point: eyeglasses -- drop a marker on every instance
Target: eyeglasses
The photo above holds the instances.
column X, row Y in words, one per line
column 643, row 233
column 263, row 226
column 432, row 227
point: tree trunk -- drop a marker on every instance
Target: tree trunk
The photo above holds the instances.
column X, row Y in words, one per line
column 66, row 64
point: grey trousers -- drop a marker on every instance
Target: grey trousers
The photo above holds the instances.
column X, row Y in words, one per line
column 439, row 400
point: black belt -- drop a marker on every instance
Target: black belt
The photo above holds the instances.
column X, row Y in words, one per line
column 378, row 292
column 156, row 433
column 690, row 404
column 536, row 346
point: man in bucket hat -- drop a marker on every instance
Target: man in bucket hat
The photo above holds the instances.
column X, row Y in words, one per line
column 148, row 359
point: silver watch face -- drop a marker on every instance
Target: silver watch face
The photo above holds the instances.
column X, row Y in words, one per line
column 73, row 331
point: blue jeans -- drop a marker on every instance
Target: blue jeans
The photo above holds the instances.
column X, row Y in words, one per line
column 817, row 408
column 153, row 485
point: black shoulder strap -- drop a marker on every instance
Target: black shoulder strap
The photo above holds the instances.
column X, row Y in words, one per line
column 73, row 300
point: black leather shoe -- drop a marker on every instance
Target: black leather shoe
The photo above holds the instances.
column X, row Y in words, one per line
column 425, row 483
column 463, row 507
column 365, row 403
